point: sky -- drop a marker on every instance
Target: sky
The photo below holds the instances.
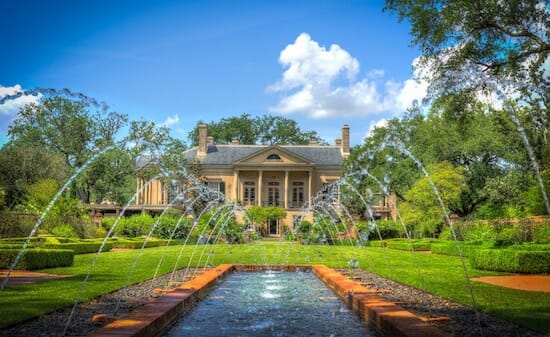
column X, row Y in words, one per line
column 323, row 63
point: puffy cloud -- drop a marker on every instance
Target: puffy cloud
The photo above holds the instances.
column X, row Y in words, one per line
column 170, row 121
column 382, row 123
column 9, row 107
column 320, row 83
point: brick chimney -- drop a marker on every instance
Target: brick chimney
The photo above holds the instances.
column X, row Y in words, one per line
column 345, row 141
column 338, row 142
column 201, row 153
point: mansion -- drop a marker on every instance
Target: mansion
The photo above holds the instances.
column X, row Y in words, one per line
column 286, row 176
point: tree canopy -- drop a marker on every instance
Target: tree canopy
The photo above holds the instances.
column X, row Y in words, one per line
column 266, row 129
column 470, row 50
column 58, row 135
column 482, row 44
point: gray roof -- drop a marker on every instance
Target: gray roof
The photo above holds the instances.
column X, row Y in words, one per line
column 229, row 154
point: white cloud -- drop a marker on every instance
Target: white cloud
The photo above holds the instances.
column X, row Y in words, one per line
column 321, row 83
column 11, row 106
column 170, row 121
column 382, row 123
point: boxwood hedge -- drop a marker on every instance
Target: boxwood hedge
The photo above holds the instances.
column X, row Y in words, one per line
column 450, row 248
column 137, row 244
column 511, row 260
column 82, row 247
column 406, row 245
column 37, row 258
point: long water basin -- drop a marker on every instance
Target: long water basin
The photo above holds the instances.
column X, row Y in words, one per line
column 270, row 303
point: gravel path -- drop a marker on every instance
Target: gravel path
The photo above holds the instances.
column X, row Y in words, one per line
column 462, row 322
column 454, row 318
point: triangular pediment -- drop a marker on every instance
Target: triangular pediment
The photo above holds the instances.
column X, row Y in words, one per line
column 273, row 155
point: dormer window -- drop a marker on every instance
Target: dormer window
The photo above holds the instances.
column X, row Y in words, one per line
column 273, row 157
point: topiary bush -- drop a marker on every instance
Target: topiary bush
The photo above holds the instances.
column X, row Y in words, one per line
column 37, row 258
column 511, row 260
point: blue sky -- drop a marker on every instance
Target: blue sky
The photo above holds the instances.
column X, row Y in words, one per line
column 322, row 63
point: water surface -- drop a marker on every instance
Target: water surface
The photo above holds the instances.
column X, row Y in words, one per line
column 270, row 304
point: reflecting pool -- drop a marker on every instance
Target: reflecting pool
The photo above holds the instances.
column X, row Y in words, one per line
column 270, row 303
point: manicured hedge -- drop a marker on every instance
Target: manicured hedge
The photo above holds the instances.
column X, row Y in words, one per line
column 82, row 247
column 137, row 244
column 511, row 260
column 406, row 245
column 12, row 246
column 450, row 248
column 531, row 246
column 378, row 243
column 37, row 258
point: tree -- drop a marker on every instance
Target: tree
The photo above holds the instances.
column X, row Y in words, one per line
column 266, row 129
column 75, row 130
column 422, row 209
column 283, row 131
column 258, row 215
column 67, row 127
column 23, row 165
column 482, row 43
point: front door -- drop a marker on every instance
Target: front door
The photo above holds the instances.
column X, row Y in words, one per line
column 273, row 227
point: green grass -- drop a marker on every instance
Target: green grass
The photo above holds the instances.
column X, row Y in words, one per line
column 438, row 274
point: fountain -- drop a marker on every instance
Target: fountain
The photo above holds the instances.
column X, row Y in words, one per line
column 203, row 272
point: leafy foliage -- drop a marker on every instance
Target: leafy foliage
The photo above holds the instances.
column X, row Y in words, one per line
column 513, row 261
column 37, row 258
column 266, row 129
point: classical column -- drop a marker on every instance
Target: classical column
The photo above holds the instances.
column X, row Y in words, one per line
column 260, row 186
column 236, row 182
column 285, row 201
column 309, row 191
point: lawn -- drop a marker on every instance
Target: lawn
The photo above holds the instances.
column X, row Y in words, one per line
column 438, row 274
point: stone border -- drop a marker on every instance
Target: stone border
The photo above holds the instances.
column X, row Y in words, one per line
column 157, row 316
column 383, row 316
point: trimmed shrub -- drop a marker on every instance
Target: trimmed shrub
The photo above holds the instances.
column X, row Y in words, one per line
column 450, row 248
column 37, row 258
column 378, row 243
column 83, row 247
column 531, row 246
column 541, row 234
column 406, row 245
column 137, row 244
column 511, row 260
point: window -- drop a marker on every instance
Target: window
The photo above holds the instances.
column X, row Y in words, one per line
column 297, row 194
column 217, row 186
column 273, row 156
column 330, row 192
column 249, row 193
column 273, row 193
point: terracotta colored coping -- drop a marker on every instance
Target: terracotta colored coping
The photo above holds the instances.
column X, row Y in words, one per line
column 387, row 318
column 155, row 317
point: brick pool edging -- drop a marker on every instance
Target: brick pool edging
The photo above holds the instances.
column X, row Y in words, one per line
column 155, row 317
column 387, row 318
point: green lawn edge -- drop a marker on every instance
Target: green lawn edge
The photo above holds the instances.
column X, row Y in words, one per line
column 438, row 274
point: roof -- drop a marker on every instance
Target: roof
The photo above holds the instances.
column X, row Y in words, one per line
column 321, row 155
